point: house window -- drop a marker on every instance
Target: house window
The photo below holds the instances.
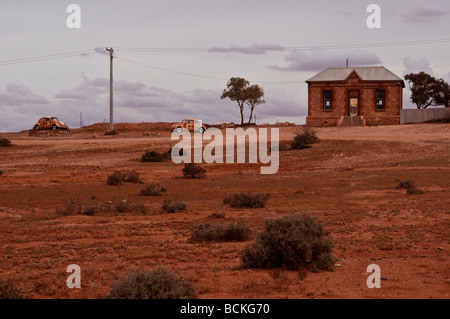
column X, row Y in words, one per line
column 380, row 100
column 327, row 99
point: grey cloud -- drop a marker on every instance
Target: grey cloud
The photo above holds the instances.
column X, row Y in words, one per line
column 254, row 49
column 421, row 12
column 416, row 66
column 315, row 61
column 17, row 94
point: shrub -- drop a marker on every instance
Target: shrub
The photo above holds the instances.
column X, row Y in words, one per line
column 5, row 142
column 192, row 170
column 132, row 177
column 210, row 232
column 249, row 200
column 152, row 156
column 91, row 210
column 10, row 290
column 157, row 284
column 116, row 178
column 304, row 138
column 1, row 172
column 293, row 242
column 152, row 190
column 72, row 207
column 172, row 206
column 409, row 186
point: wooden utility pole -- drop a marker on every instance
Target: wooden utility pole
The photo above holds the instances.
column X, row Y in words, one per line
column 111, row 111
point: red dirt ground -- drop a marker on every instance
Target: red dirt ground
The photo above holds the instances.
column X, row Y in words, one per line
column 348, row 180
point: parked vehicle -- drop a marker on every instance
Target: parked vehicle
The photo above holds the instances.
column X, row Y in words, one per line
column 192, row 125
column 50, row 123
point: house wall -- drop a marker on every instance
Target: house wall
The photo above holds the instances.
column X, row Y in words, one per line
column 317, row 116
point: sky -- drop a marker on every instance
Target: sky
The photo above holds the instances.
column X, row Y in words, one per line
column 173, row 58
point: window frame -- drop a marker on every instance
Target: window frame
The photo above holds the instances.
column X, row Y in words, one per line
column 329, row 92
column 380, row 107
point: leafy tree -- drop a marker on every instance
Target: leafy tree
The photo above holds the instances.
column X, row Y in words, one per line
column 427, row 91
column 254, row 96
column 235, row 91
column 239, row 90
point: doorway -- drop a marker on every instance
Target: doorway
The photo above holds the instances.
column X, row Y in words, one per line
column 353, row 103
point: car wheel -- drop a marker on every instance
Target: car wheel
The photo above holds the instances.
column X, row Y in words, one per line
column 54, row 127
column 201, row 130
column 37, row 128
column 179, row 129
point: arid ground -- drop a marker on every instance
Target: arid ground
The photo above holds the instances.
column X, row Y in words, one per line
column 349, row 180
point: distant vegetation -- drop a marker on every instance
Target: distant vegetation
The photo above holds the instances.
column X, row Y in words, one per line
column 152, row 190
column 118, row 177
column 304, row 138
column 409, row 186
column 293, row 242
column 4, row 142
column 161, row 283
column 209, row 232
column 247, row 200
column 192, row 170
column 172, row 206
column 9, row 289
column 152, row 156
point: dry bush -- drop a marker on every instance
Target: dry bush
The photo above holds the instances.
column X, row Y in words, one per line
column 171, row 206
column 1, row 172
column 132, row 177
column 9, row 289
column 192, row 170
column 293, row 242
column 160, row 283
column 152, row 190
column 304, row 138
column 209, row 232
column 72, row 207
column 249, row 200
column 118, row 177
column 152, row 156
column 4, row 142
column 409, row 186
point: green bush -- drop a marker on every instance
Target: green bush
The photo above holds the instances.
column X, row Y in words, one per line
column 10, row 290
column 152, row 156
column 160, row 283
column 249, row 200
column 192, row 170
column 304, row 138
column 172, row 206
column 152, row 190
column 293, row 242
column 209, row 232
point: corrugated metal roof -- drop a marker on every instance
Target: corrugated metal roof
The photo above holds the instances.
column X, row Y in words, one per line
column 377, row 73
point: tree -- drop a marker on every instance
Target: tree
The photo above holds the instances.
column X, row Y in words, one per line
column 235, row 91
column 254, row 96
column 239, row 90
column 427, row 91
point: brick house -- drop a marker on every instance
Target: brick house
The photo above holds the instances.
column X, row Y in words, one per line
column 354, row 96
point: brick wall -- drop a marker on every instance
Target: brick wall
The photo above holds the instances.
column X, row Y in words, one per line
column 317, row 116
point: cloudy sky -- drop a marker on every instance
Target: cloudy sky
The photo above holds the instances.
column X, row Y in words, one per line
column 173, row 57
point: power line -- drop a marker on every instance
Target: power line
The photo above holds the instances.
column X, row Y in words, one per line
column 48, row 57
column 202, row 76
column 284, row 49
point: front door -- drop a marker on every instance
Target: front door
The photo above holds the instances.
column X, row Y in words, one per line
column 353, row 103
